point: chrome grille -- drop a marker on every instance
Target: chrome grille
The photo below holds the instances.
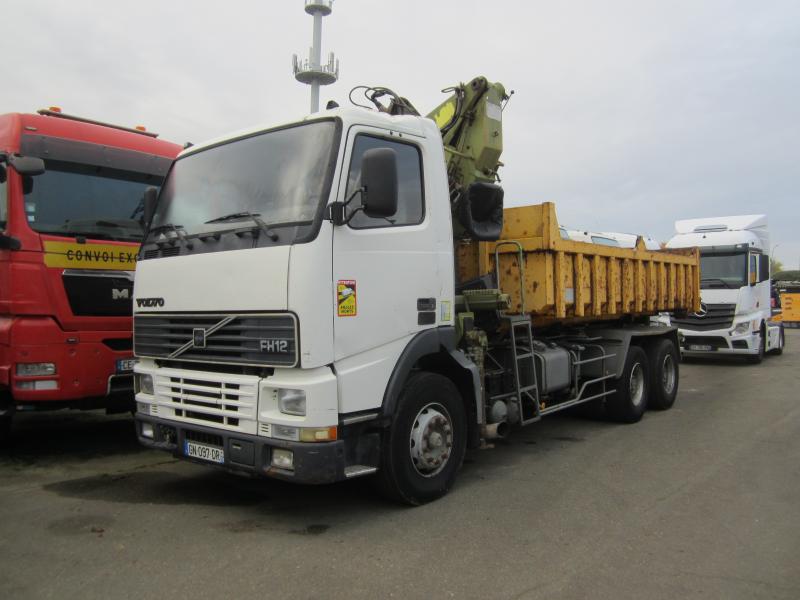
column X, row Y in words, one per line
column 268, row 340
column 217, row 399
column 717, row 316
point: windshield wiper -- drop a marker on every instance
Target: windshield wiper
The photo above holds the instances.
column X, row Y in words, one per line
column 255, row 217
column 722, row 281
column 180, row 232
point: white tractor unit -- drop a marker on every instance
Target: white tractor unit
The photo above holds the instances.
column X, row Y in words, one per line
column 734, row 317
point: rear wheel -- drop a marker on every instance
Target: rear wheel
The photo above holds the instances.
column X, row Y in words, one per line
column 425, row 446
column 628, row 403
column 664, row 374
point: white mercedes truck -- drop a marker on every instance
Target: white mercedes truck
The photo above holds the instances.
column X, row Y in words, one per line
column 734, row 317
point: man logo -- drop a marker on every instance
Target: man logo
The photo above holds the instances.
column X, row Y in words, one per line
column 123, row 294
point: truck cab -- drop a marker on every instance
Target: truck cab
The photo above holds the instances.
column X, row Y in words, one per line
column 735, row 314
column 71, row 191
column 313, row 301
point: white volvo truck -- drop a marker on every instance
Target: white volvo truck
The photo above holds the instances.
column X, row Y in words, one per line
column 734, row 317
column 297, row 313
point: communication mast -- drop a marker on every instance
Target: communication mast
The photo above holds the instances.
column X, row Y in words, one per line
column 310, row 71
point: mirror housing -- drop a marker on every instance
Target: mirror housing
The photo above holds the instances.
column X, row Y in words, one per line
column 150, row 198
column 26, row 165
column 379, row 182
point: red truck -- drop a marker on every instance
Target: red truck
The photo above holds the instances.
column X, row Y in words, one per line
column 71, row 207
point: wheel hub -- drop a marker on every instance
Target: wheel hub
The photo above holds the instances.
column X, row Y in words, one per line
column 431, row 440
column 636, row 385
column 668, row 374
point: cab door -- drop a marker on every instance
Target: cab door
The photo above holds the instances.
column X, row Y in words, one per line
column 386, row 271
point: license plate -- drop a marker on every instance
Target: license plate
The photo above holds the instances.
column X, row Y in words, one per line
column 700, row 347
column 125, row 365
column 203, row 452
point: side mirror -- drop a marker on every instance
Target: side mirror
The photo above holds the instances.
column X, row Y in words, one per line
column 150, row 197
column 26, row 165
column 379, row 181
column 2, row 174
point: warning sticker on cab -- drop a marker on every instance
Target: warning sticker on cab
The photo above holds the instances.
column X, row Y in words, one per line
column 90, row 256
column 346, row 303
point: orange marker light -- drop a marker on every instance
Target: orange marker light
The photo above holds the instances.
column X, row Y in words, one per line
column 140, row 128
column 55, row 109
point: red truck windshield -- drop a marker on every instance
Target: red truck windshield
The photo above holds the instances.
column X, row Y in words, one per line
column 97, row 202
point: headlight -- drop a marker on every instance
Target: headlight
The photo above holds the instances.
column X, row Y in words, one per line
column 741, row 328
column 144, row 383
column 292, row 402
column 35, row 369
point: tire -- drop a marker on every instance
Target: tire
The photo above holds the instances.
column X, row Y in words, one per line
column 664, row 374
column 781, row 343
column 6, row 417
column 5, row 431
column 756, row 359
column 430, row 412
column 628, row 403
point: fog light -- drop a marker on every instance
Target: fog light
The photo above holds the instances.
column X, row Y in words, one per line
column 144, row 383
column 42, row 384
column 147, row 430
column 283, row 459
column 35, row 369
column 292, row 402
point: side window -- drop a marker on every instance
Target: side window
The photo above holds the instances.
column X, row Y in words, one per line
column 763, row 268
column 3, row 203
column 410, row 206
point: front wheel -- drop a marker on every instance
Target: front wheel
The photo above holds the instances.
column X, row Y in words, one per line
column 6, row 416
column 781, row 343
column 425, row 446
column 664, row 374
column 628, row 403
column 755, row 359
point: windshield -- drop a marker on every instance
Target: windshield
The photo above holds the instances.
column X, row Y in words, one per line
column 87, row 200
column 723, row 270
column 281, row 176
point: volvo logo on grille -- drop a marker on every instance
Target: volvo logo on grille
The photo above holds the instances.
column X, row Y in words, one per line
column 199, row 337
column 702, row 312
column 274, row 346
column 149, row 302
column 122, row 294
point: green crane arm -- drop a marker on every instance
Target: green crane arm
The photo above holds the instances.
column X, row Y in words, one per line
column 472, row 133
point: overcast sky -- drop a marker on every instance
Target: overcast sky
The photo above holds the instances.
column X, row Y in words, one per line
column 629, row 114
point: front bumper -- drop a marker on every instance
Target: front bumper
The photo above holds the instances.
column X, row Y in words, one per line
column 708, row 343
column 314, row 463
column 86, row 362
